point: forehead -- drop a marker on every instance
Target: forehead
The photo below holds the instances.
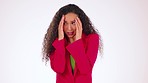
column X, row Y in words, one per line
column 70, row 17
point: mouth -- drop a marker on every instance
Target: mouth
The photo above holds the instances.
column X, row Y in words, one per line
column 70, row 33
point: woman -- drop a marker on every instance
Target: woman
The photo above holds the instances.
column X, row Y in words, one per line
column 71, row 43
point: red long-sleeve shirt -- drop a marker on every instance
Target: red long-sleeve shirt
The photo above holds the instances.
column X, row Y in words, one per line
column 84, row 52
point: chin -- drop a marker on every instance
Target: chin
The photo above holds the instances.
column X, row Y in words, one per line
column 70, row 36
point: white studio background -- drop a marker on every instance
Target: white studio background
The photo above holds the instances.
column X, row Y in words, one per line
column 123, row 25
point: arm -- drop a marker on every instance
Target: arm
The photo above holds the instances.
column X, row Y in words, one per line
column 85, row 59
column 57, row 58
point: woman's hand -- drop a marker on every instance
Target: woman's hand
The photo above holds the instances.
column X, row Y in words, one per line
column 78, row 29
column 60, row 29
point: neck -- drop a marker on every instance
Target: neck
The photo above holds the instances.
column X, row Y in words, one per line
column 71, row 40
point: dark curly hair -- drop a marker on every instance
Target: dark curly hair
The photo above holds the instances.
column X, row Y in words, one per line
column 52, row 32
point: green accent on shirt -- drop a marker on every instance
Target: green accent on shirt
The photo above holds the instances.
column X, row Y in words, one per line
column 72, row 61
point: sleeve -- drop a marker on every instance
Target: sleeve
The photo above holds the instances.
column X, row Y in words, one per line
column 57, row 58
column 85, row 59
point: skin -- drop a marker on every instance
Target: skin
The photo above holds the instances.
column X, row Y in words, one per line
column 71, row 25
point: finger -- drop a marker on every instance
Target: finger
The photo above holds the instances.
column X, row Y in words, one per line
column 77, row 26
column 77, row 31
column 76, row 22
column 61, row 22
column 80, row 23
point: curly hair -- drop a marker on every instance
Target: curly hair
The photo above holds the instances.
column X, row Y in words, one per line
column 52, row 31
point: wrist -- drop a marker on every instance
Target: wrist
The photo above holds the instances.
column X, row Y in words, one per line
column 77, row 38
column 60, row 38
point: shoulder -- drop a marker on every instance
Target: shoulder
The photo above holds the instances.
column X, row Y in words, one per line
column 91, row 36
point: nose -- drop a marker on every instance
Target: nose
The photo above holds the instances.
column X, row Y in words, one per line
column 69, row 27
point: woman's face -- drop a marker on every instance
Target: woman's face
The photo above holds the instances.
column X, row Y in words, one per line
column 69, row 25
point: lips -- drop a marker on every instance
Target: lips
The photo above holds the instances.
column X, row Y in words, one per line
column 70, row 33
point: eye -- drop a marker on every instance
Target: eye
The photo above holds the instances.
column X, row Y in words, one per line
column 73, row 22
column 65, row 23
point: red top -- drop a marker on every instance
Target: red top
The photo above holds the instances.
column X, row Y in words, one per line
column 84, row 52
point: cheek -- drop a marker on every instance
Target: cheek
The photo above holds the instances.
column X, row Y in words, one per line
column 74, row 28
